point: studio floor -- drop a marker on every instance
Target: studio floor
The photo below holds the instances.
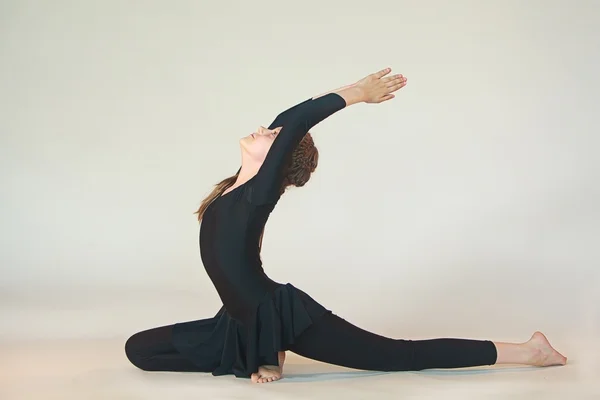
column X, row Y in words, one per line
column 55, row 348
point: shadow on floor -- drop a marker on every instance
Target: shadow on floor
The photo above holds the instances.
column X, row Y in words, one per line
column 294, row 373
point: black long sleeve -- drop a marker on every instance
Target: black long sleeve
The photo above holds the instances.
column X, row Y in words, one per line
column 295, row 123
column 285, row 116
column 288, row 114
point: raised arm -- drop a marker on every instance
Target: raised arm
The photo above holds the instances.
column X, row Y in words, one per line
column 364, row 90
column 298, row 120
column 288, row 114
column 350, row 93
column 293, row 128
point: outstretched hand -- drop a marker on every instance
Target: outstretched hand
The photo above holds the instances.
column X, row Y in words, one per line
column 377, row 87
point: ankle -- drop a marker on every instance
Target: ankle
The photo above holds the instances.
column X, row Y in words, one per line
column 513, row 353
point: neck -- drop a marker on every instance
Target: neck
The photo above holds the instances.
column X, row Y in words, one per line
column 249, row 168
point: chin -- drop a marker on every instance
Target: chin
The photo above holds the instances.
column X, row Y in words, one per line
column 244, row 141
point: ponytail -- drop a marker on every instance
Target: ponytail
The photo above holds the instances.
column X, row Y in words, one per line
column 217, row 192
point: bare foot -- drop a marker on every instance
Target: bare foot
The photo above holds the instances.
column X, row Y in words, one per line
column 269, row 373
column 543, row 354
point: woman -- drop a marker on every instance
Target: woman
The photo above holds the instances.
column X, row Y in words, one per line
column 261, row 319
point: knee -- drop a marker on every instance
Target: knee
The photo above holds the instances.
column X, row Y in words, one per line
column 406, row 356
column 134, row 352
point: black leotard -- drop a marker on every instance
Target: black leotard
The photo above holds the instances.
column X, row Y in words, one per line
column 259, row 316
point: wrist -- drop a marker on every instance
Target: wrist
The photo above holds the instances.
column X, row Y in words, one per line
column 352, row 94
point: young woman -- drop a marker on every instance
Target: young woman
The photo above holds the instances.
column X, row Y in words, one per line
column 261, row 319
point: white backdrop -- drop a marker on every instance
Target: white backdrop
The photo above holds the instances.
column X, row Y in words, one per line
column 468, row 206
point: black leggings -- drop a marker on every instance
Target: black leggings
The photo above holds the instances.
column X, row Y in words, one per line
column 332, row 340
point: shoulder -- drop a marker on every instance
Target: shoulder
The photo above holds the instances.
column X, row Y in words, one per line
column 259, row 195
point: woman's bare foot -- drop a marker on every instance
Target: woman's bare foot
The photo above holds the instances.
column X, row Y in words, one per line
column 269, row 373
column 542, row 353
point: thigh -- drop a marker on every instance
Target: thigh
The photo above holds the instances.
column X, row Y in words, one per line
column 153, row 350
column 334, row 340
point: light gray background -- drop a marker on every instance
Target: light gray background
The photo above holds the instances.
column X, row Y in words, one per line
column 468, row 206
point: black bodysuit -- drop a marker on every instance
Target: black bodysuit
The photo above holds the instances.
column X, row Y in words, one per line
column 260, row 317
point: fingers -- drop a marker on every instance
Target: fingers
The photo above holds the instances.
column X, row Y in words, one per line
column 382, row 73
column 395, row 84
column 392, row 78
column 398, row 86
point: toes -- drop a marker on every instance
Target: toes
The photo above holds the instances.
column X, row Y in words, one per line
column 267, row 380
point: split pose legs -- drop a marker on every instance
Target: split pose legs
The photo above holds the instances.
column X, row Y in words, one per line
column 333, row 340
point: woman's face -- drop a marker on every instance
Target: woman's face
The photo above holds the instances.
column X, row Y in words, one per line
column 257, row 144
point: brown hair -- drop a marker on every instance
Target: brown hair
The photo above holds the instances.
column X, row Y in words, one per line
column 302, row 164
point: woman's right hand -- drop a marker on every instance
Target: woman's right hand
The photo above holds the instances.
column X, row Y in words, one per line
column 377, row 87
